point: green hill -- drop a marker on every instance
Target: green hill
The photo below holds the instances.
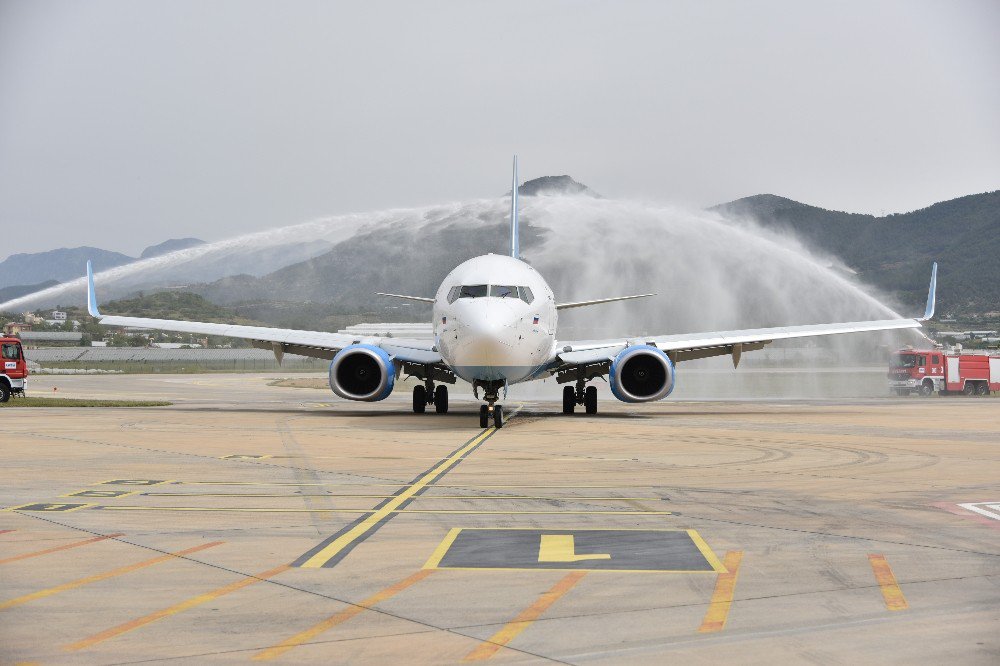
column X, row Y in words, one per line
column 894, row 252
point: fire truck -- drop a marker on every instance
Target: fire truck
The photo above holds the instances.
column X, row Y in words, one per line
column 14, row 373
column 925, row 371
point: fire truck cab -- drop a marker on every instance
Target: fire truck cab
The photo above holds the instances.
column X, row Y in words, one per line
column 925, row 371
column 14, row 370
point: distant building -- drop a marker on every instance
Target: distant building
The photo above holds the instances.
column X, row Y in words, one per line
column 15, row 328
column 58, row 315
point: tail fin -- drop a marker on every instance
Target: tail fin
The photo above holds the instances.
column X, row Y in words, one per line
column 515, row 246
column 931, row 295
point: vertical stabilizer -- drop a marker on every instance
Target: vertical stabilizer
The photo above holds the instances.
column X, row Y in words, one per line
column 515, row 247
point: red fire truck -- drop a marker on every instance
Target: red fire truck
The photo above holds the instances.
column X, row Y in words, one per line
column 924, row 371
column 14, row 373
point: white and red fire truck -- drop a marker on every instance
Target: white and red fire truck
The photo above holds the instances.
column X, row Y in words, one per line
column 13, row 368
column 924, row 371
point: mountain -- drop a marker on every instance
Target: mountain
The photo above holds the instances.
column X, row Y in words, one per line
column 16, row 291
column 554, row 185
column 894, row 252
column 168, row 246
column 60, row 265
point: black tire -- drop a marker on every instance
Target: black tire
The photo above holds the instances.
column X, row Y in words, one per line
column 441, row 399
column 590, row 399
column 984, row 389
column 484, row 416
column 497, row 416
column 419, row 399
column 926, row 389
column 969, row 389
column 569, row 400
column 4, row 392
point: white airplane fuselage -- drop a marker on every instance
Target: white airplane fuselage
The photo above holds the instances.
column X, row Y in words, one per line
column 495, row 320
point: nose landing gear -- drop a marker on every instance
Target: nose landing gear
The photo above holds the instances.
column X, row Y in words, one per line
column 491, row 393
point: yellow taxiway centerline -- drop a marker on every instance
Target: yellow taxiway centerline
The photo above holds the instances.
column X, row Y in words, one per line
column 376, row 514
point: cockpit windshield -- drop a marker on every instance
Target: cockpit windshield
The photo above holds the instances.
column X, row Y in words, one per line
column 903, row 361
column 495, row 291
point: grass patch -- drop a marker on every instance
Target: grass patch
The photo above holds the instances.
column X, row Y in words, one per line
column 76, row 402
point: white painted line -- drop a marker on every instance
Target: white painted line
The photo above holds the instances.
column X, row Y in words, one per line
column 988, row 509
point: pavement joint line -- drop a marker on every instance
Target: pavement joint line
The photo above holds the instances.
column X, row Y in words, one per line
column 367, row 523
column 54, row 549
column 288, row 586
column 80, row 582
column 173, row 610
column 338, row 618
column 525, row 618
column 335, row 548
column 891, row 593
column 722, row 596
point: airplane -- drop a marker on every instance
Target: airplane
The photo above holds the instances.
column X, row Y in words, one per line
column 494, row 324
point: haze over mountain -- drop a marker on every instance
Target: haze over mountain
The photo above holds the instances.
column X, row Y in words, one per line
column 168, row 246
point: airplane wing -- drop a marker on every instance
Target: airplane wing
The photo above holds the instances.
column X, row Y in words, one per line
column 689, row 346
column 318, row 344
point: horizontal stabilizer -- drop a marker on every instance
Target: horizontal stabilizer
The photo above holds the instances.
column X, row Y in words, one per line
column 580, row 304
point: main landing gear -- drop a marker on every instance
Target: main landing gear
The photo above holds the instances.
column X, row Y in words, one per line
column 428, row 394
column 580, row 395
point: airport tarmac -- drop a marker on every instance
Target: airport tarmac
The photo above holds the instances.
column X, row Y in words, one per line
column 254, row 522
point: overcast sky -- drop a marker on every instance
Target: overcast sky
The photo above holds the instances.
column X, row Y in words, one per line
column 126, row 123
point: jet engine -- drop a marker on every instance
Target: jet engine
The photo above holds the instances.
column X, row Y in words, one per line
column 362, row 372
column 641, row 373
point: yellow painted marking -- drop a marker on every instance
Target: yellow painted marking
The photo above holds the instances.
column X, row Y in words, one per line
column 398, row 485
column 173, row 610
column 561, row 548
column 381, row 513
column 103, row 576
column 51, row 507
column 425, row 496
column 525, row 618
column 893, row 596
column 722, row 597
column 58, row 548
column 339, row 618
column 108, row 494
column 707, row 552
column 442, row 548
column 134, row 482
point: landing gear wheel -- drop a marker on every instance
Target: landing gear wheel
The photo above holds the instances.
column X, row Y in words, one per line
column 419, row 399
column 484, row 416
column 441, row 399
column 497, row 416
column 4, row 393
column 969, row 389
column 569, row 400
column 590, row 399
column 926, row 389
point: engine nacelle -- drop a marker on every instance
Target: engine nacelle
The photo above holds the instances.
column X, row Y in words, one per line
column 641, row 373
column 362, row 372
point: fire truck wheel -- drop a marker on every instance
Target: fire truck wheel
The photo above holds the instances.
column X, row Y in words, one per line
column 969, row 389
column 926, row 389
column 4, row 392
column 984, row 389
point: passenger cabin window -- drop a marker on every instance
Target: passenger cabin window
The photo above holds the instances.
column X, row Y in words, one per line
column 503, row 291
column 11, row 352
